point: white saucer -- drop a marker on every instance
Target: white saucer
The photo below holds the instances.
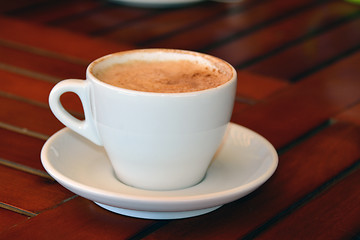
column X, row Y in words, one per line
column 244, row 161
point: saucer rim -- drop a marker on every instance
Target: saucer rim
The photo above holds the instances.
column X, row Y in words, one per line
column 154, row 202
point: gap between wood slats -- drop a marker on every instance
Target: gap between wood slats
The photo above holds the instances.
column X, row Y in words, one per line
column 146, row 231
column 22, row 99
column 328, row 62
column 304, row 137
column 25, row 168
column 9, row 6
column 29, row 213
column 23, row 131
column 343, row 174
column 17, row 210
column 208, row 20
column 316, row 192
column 245, row 100
column 261, row 25
column 294, row 42
column 59, row 21
column 42, row 52
column 29, row 73
column 36, row 103
column 356, row 237
column 114, row 27
column 33, row 5
column 59, row 204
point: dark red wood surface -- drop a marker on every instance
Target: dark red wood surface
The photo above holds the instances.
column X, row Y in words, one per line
column 298, row 65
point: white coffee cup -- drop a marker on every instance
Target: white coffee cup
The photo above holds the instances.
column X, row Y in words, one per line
column 155, row 141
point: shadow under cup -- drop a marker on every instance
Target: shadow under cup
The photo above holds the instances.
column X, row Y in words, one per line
column 158, row 141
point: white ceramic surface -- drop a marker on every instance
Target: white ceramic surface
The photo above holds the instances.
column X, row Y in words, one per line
column 244, row 161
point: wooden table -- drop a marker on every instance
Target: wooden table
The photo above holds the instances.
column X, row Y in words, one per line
column 299, row 86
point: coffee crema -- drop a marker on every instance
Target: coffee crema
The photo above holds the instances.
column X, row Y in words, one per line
column 171, row 76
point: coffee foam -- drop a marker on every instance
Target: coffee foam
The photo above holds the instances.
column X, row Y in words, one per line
column 176, row 57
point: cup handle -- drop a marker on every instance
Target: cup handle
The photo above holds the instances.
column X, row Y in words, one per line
column 87, row 127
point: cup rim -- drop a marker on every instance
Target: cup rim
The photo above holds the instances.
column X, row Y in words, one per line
column 89, row 73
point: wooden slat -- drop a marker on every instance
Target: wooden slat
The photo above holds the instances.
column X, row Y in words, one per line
column 9, row 219
column 77, row 219
column 57, row 10
column 25, row 86
column 337, row 215
column 20, row 148
column 33, row 91
column 240, row 106
column 301, row 170
column 104, row 19
column 257, row 45
column 306, row 104
column 350, row 115
column 231, row 24
column 257, row 87
column 41, row 62
column 76, row 47
column 311, row 53
column 7, row 6
column 29, row 191
column 169, row 21
column 32, row 117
